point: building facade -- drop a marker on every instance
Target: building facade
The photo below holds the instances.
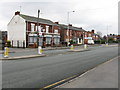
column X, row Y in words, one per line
column 27, row 30
column 70, row 32
column 3, row 39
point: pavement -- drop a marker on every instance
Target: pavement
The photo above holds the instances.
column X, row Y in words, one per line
column 15, row 50
column 79, row 50
column 20, row 53
column 103, row 76
column 23, row 57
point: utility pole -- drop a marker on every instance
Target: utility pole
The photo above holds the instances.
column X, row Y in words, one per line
column 37, row 29
column 68, row 25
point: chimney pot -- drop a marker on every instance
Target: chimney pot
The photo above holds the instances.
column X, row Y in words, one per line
column 17, row 13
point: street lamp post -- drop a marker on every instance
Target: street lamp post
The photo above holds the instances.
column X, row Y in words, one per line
column 107, row 34
column 68, row 24
column 37, row 29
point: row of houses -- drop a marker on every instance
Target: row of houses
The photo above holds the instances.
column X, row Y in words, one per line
column 112, row 37
column 3, row 39
column 30, row 30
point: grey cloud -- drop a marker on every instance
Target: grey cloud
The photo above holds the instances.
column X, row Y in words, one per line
column 57, row 11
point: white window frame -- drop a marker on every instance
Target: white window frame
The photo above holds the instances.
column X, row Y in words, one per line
column 39, row 28
column 32, row 27
column 67, row 33
column 89, row 35
column 47, row 29
column 56, row 31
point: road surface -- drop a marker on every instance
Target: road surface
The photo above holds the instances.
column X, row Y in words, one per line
column 40, row 72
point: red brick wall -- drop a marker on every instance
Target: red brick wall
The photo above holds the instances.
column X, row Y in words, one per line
column 56, row 28
column 51, row 29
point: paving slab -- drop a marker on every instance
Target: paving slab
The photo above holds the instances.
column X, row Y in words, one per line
column 79, row 50
column 103, row 76
column 23, row 57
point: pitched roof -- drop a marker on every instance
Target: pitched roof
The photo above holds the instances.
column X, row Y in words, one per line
column 35, row 19
column 71, row 27
column 48, row 22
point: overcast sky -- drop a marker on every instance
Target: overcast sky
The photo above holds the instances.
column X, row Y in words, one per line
column 89, row 14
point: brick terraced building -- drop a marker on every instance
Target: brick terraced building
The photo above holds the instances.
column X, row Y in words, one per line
column 25, row 30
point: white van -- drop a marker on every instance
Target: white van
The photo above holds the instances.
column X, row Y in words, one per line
column 90, row 41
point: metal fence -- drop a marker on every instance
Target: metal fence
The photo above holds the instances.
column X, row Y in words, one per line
column 18, row 43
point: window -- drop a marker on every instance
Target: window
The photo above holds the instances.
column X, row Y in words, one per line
column 67, row 33
column 89, row 35
column 47, row 29
column 32, row 27
column 43, row 30
column 48, row 40
column 39, row 28
column 56, row 40
column 36, row 28
column 35, row 39
column 30, row 39
column 56, row 31
column 70, row 33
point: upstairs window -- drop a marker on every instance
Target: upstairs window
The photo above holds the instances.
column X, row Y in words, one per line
column 32, row 27
column 39, row 28
column 47, row 29
column 67, row 32
column 89, row 35
column 56, row 31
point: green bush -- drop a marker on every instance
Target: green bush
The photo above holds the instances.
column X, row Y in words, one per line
column 97, row 42
column 8, row 44
column 72, row 42
column 116, row 41
column 102, row 41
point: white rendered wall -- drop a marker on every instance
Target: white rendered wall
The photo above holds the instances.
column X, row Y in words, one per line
column 17, row 30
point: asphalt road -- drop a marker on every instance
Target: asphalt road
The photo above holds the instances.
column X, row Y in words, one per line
column 39, row 72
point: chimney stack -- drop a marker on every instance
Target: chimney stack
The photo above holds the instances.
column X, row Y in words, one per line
column 80, row 27
column 17, row 13
column 93, row 31
column 70, row 24
column 56, row 22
